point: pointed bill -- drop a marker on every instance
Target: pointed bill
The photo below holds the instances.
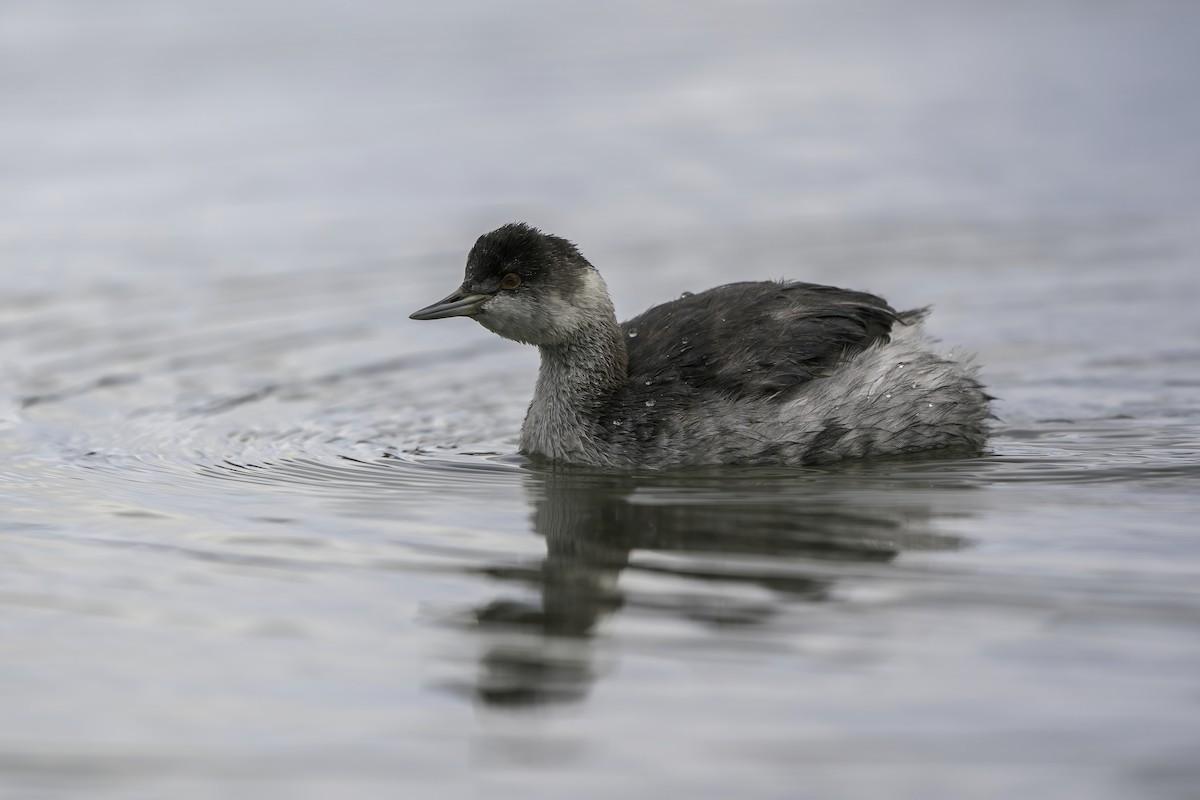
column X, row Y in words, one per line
column 458, row 304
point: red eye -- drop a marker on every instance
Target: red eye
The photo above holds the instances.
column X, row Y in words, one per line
column 510, row 281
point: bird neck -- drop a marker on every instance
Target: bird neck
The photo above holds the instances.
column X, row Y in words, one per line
column 577, row 379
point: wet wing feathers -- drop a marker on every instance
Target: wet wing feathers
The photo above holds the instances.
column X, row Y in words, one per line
column 753, row 339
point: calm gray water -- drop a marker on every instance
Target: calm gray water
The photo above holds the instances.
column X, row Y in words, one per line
column 261, row 535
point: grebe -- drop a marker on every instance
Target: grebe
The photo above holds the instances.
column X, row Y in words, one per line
column 747, row 373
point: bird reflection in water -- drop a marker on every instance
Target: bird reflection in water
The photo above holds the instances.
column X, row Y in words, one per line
column 767, row 525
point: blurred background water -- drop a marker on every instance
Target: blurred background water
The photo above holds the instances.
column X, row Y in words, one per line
column 260, row 533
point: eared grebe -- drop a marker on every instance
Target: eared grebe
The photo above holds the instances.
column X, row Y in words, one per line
column 747, row 373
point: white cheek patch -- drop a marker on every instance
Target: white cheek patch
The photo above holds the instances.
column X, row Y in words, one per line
column 515, row 316
column 584, row 311
column 593, row 296
column 511, row 318
column 593, row 284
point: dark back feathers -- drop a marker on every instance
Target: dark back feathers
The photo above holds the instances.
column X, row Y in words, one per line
column 752, row 339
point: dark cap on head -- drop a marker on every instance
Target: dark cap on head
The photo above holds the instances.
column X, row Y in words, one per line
column 517, row 247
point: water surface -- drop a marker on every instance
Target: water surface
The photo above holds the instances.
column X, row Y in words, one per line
column 259, row 533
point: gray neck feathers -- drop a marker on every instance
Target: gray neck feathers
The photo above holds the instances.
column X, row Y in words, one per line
column 577, row 377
